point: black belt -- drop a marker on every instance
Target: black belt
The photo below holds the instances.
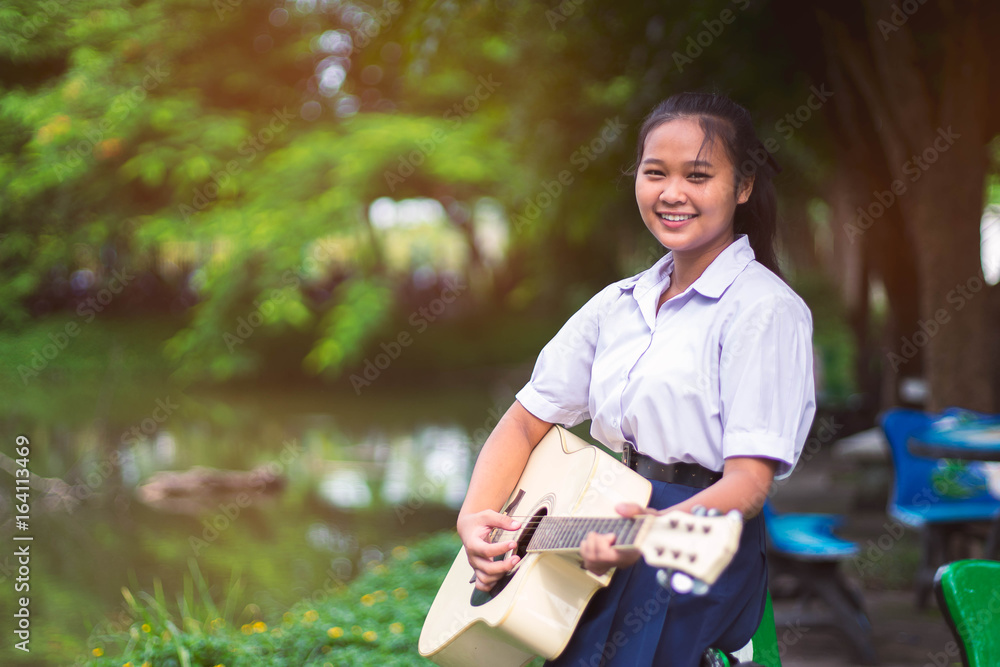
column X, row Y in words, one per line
column 688, row 474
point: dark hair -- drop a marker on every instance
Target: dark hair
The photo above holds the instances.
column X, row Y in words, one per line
column 720, row 117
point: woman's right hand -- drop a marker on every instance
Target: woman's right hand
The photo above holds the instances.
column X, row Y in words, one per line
column 474, row 530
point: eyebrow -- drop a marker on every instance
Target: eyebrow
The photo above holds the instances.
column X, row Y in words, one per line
column 691, row 163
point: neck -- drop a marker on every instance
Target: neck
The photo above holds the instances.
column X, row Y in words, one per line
column 689, row 267
column 561, row 533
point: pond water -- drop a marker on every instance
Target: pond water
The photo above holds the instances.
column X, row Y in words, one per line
column 330, row 483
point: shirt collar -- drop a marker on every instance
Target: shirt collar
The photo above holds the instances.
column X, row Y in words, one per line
column 719, row 275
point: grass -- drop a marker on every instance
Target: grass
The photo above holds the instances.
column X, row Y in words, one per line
column 374, row 620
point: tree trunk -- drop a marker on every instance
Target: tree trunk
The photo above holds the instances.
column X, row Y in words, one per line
column 934, row 143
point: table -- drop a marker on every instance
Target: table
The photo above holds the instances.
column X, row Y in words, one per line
column 975, row 440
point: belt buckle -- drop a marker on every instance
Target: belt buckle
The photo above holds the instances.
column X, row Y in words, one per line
column 627, row 451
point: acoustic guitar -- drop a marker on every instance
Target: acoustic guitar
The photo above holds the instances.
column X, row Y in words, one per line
column 568, row 489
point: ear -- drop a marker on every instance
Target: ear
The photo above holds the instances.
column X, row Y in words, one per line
column 744, row 192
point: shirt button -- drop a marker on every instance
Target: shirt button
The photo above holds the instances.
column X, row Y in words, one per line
column 614, row 423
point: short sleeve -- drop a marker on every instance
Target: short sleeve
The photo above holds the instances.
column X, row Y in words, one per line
column 559, row 389
column 767, row 390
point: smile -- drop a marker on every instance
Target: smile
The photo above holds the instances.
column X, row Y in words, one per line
column 677, row 218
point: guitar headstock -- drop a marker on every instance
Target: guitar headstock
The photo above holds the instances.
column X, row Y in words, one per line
column 700, row 546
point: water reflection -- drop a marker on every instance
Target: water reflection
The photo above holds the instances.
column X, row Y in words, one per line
column 430, row 466
column 349, row 493
column 346, row 487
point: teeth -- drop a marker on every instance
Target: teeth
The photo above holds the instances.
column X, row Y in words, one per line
column 676, row 218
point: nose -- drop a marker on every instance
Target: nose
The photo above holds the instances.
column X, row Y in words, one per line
column 672, row 192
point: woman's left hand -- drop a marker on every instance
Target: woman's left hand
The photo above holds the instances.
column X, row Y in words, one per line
column 598, row 554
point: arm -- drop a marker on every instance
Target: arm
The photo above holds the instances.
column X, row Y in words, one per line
column 498, row 468
column 744, row 486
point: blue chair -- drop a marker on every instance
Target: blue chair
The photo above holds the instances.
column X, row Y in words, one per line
column 804, row 549
column 946, row 500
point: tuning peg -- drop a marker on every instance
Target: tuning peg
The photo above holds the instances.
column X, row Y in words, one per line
column 713, row 512
column 663, row 577
column 699, row 588
column 734, row 515
column 681, row 582
column 698, row 510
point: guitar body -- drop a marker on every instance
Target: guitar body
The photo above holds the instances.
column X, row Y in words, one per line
column 535, row 609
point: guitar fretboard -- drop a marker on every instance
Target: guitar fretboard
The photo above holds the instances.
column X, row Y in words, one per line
column 554, row 533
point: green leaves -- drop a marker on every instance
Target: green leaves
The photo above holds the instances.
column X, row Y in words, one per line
column 362, row 306
column 233, row 151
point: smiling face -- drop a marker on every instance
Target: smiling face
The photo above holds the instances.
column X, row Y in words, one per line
column 687, row 199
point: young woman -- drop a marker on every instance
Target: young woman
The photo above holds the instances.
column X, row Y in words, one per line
column 702, row 364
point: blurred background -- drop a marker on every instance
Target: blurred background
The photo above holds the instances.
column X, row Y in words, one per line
column 270, row 271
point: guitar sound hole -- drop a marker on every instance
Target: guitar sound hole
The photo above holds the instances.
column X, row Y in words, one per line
column 527, row 531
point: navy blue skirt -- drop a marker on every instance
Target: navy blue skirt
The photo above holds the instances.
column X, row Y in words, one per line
column 635, row 622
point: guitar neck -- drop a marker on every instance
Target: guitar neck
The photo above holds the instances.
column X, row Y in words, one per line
column 566, row 533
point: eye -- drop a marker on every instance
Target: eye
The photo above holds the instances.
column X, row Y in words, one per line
column 653, row 172
column 699, row 175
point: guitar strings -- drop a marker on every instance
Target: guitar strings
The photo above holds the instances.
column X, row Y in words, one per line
column 532, row 522
column 576, row 518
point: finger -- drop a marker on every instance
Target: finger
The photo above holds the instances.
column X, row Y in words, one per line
column 484, row 552
column 598, row 557
column 497, row 567
column 488, row 572
column 485, row 582
column 493, row 550
column 632, row 509
column 596, row 546
column 496, row 520
column 484, row 549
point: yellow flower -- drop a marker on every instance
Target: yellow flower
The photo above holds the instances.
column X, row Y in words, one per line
column 396, row 628
column 356, row 629
column 310, row 616
column 380, row 596
column 370, row 636
column 335, row 632
column 98, row 652
column 146, row 664
column 247, row 629
column 400, row 593
column 259, row 626
column 277, row 632
column 367, row 600
column 400, row 552
column 146, row 627
column 288, row 618
column 127, row 664
column 325, row 649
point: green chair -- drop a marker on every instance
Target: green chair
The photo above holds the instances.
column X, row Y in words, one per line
column 968, row 593
column 764, row 642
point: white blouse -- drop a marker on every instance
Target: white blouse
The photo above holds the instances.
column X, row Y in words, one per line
column 723, row 369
